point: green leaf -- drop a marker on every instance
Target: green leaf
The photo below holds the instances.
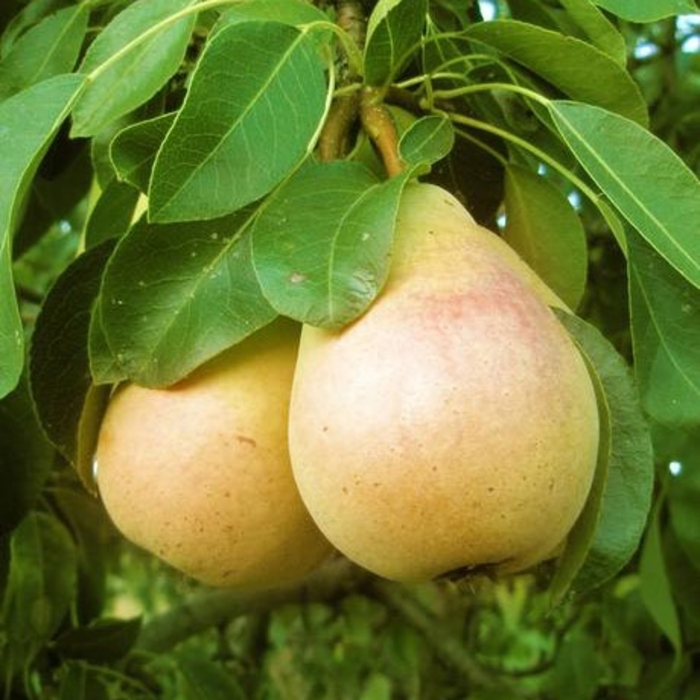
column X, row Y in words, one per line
column 576, row 61
column 28, row 122
column 245, row 124
column 102, row 641
column 598, row 29
column 40, row 589
column 292, row 12
column 175, row 295
column 321, row 246
column 655, row 585
column 141, row 48
column 59, row 370
column 112, row 214
column 665, row 321
column 48, row 49
column 133, row 150
column 198, row 678
column 79, row 682
column 544, row 229
column 647, row 10
column 626, row 498
column 427, row 140
column 647, row 182
column 393, row 33
column 25, row 458
column 24, row 20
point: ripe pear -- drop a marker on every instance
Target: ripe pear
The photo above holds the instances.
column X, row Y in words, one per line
column 199, row 473
column 454, row 425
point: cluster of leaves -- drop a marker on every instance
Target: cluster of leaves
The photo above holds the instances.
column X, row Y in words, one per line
column 167, row 189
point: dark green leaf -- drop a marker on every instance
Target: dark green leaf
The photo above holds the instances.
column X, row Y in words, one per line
column 245, row 124
column 59, row 370
column 48, row 49
column 101, row 642
column 321, row 247
column 665, row 315
column 112, row 214
column 647, row 10
column 427, row 141
column 175, row 295
column 22, row 22
column 40, row 589
column 25, row 458
column 133, row 150
column 626, row 498
column 544, row 229
column 79, row 682
column 655, row 586
column 647, row 182
column 28, row 122
column 202, row 679
column 576, row 61
column 144, row 45
column 393, row 33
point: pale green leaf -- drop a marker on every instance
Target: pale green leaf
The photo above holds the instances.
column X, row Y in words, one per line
column 245, row 124
column 48, row 49
column 544, row 229
column 567, row 63
column 393, row 32
column 641, row 176
column 626, row 497
column 647, row 10
column 141, row 47
column 28, row 122
column 321, row 246
column 427, row 140
column 175, row 295
column 665, row 320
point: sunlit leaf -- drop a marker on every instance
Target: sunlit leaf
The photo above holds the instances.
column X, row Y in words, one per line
column 245, row 123
column 645, row 180
column 321, row 246
column 543, row 228
column 144, row 45
column 576, row 61
column 292, row 12
column 28, row 122
column 599, row 30
column 393, row 30
column 175, row 295
column 665, row 316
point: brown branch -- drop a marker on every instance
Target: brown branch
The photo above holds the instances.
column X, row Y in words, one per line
column 379, row 125
column 334, row 141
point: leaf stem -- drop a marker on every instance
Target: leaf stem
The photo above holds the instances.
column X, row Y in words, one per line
column 379, row 125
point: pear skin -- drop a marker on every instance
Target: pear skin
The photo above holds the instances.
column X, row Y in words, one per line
column 199, row 473
column 454, row 425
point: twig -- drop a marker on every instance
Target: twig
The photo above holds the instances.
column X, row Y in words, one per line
column 211, row 608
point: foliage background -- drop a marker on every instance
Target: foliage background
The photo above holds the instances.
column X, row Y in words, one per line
column 86, row 615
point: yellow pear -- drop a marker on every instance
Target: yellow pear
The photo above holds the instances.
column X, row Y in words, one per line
column 199, row 473
column 454, row 425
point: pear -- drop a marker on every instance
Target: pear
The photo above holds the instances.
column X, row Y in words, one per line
column 199, row 473
column 454, row 425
